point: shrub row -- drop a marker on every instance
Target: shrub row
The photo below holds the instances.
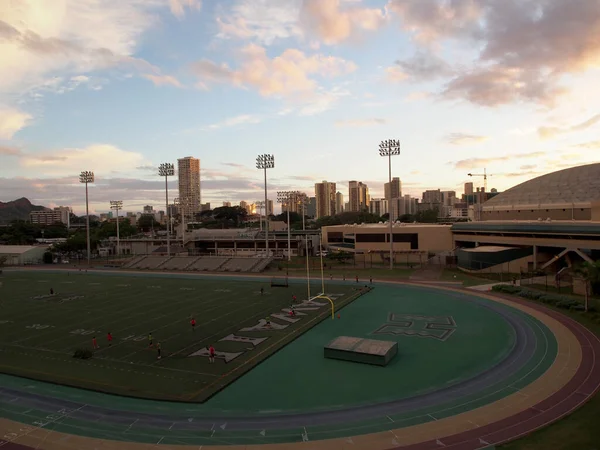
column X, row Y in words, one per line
column 83, row 353
column 560, row 301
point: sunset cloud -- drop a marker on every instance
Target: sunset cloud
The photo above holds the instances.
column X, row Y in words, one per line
column 163, row 80
column 467, row 164
column 333, row 22
column 526, row 47
column 359, row 122
column 464, row 139
column 291, row 72
column 11, row 121
column 551, row 132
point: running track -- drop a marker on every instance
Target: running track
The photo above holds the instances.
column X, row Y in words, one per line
column 583, row 385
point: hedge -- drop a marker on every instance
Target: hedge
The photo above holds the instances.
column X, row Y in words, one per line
column 560, row 301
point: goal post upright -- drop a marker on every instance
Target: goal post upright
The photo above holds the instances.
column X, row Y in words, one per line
column 330, row 301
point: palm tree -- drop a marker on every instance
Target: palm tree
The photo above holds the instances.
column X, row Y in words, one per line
column 589, row 273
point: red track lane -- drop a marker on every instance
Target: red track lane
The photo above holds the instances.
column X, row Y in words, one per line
column 584, row 384
column 12, row 446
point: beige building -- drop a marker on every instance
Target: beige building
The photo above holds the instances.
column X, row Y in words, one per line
column 569, row 194
column 359, row 197
column 415, row 241
column 325, row 194
column 189, row 186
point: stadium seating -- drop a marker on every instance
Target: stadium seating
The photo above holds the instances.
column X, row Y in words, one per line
column 178, row 263
column 261, row 264
column 199, row 263
column 208, row 263
column 151, row 262
column 238, row 265
column 134, row 262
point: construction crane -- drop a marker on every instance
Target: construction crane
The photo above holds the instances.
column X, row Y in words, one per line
column 484, row 175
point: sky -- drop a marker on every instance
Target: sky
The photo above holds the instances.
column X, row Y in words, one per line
column 118, row 87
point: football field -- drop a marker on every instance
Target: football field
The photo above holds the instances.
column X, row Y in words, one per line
column 40, row 331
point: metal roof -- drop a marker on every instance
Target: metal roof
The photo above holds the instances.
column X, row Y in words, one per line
column 17, row 249
column 573, row 187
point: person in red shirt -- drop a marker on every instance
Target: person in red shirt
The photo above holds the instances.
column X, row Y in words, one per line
column 294, row 298
column 95, row 343
column 211, row 354
column 109, row 338
column 193, row 323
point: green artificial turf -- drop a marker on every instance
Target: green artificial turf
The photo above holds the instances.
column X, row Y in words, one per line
column 39, row 332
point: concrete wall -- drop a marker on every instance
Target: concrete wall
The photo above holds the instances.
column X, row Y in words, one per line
column 596, row 212
column 527, row 241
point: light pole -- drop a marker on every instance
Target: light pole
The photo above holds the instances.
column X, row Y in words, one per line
column 117, row 205
column 264, row 162
column 180, row 203
column 167, row 170
column 286, row 198
column 87, row 177
column 390, row 148
column 301, row 199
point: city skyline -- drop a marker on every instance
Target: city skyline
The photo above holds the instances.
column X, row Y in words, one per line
column 119, row 87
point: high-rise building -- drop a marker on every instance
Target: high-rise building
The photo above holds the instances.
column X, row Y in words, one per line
column 396, row 188
column 339, row 203
column 359, row 196
column 59, row 214
column 432, row 196
column 269, row 207
column 148, row 209
column 311, row 207
column 393, row 193
column 449, row 198
column 189, row 185
column 244, row 205
column 205, row 207
column 469, row 188
column 378, row 206
column 227, row 204
column 295, row 206
column 325, row 195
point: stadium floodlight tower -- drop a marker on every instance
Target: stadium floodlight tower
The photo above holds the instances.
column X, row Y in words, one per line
column 117, row 205
column 390, row 148
column 87, row 177
column 264, row 162
column 287, row 198
column 167, row 170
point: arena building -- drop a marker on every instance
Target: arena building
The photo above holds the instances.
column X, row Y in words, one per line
column 569, row 194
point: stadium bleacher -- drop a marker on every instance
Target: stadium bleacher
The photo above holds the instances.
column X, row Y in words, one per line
column 199, row 263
